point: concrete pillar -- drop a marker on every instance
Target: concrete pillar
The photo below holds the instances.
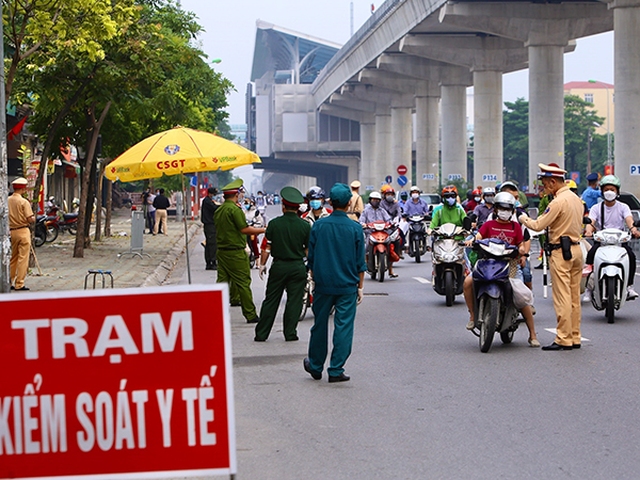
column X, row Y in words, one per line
column 427, row 143
column 382, row 164
column 626, row 25
column 454, row 133
column 487, row 138
column 401, row 143
column 546, row 107
column 367, row 155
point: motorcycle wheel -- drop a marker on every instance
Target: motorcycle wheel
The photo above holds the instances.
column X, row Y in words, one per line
column 449, row 290
column 489, row 309
column 52, row 233
column 507, row 337
column 382, row 260
column 305, row 302
column 611, row 297
column 252, row 260
column 416, row 250
column 40, row 236
column 73, row 228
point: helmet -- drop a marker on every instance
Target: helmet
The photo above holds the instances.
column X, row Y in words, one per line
column 489, row 191
column 414, row 188
column 375, row 195
column 477, row 192
column 315, row 193
column 449, row 189
column 508, row 185
column 610, row 180
column 404, row 195
column 504, row 200
column 571, row 184
column 387, row 189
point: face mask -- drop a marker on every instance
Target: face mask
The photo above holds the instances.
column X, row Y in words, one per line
column 476, row 199
column 303, row 207
column 375, row 203
column 451, row 201
column 247, row 206
column 315, row 204
column 504, row 215
column 610, row 195
column 488, row 199
column 415, row 196
column 389, row 198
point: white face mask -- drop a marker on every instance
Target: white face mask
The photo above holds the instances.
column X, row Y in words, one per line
column 476, row 199
column 610, row 195
column 504, row 215
column 415, row 196
column 451, row 201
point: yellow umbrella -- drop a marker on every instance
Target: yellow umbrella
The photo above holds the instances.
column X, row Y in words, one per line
column 175, row 151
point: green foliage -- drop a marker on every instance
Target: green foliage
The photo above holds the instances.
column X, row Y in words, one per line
column 515, row 121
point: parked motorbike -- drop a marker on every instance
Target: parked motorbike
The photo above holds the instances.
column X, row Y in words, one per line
column 610, row 272
column 417, row 237
column 448, row 260
column 41, row 230
column 63, row 221
column 380, row 248
column 494, row 307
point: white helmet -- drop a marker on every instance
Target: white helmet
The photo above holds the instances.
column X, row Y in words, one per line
column 414, row 189
column 375, row 195
column 489, row 191
column 504, row 200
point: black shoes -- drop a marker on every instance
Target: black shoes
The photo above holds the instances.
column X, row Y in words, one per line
column 253, row 320
column 554, row 347
column 307, row 368
column 291, row 339
column 24, row 289
column 576, row 345
column 256, row 339
column 340, row 378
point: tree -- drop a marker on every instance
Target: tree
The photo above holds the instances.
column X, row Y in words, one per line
column 515, row 121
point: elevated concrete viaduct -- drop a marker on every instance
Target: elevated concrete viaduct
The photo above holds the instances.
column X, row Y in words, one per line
column 431, row 51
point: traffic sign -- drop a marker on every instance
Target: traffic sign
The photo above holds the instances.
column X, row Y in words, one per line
column 402, row 180
column 117, row 384
column 388, row 179
column 402, row 169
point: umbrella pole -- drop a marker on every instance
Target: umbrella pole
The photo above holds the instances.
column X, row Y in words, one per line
column 186, row 237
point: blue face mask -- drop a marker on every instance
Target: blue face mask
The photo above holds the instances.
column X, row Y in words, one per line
column 451, row 201
column 315, row 204
column 247, row 206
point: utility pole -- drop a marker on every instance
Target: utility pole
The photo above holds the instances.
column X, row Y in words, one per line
column 5, row 235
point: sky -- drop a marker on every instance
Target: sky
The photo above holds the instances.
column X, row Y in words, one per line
column 230, row 30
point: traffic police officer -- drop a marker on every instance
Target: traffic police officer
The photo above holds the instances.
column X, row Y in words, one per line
column 563, row 218
column 356, row 205
column 287, row 239
column 20, row 218
column 233, row 262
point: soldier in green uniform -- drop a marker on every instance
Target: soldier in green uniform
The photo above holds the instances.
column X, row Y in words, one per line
column 287, row 239
column 233, row 262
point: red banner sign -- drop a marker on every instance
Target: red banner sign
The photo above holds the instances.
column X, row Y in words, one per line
column 116, row 384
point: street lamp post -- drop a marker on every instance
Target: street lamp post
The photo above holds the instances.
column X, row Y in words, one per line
column 609, row 160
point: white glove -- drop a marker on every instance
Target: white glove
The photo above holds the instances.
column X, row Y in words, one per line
column 261, row 270
column 360, row 295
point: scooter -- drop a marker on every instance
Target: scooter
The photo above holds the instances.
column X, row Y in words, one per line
column 610, row 272
column 494, row 307
column 417, row 237
column 63, row 221
column 450, row 265
column 380, row 250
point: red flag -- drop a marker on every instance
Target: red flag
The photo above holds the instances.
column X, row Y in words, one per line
column 17, row 128
column 373, row 8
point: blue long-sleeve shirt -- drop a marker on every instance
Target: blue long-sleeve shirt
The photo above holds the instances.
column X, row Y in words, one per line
column 591, row 196
column 415, row 208
column 336, row 254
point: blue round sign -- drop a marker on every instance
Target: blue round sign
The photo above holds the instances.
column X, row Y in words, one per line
column 388, row 179
column 402, row 180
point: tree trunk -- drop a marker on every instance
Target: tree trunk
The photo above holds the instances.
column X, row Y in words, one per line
column 109, row 206
column 84, row 214
column 99, row 182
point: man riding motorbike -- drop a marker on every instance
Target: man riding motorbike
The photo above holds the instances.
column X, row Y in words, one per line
column 505, row 228
column 450, row 211
column 393, row 208
column 616, row 215
column 315, row 197
column 415, row 205
column 373, row 212
column 483, row 211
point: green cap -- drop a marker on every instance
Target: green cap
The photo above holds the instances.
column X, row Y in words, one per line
column 291, row 196
column 340, row 195
column 235, row 185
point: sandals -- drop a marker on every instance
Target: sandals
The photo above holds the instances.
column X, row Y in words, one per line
column 534, row 343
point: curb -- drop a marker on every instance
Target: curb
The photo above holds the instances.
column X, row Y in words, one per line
column 169, row 262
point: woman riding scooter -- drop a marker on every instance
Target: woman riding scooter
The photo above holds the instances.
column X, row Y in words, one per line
column 616, row 215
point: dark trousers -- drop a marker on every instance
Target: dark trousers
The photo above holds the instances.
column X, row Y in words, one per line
column 233, row 268
column 211, row 247
column 151, row 220
column 289, row 276
column 591, row 254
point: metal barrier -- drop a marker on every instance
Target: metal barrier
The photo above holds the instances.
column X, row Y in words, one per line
column 137, row 235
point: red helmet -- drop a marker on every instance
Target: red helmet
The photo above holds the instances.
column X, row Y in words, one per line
column 387, row 189
column 449, row 189
column 477, row 192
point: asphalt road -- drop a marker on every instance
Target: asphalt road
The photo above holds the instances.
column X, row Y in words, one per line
column 424, row 403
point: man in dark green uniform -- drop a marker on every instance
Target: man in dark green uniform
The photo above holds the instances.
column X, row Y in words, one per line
column 233, row 262
column 287, row 239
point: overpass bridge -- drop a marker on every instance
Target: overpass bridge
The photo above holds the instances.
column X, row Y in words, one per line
column 414, row 55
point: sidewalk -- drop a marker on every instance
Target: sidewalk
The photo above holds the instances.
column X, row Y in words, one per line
column 60, row 271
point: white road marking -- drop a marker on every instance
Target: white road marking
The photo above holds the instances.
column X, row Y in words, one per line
column 555, row 332
column 424, row 281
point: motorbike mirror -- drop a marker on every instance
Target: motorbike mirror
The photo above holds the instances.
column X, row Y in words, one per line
column 473, row 217
column 257, row 213
column 428, row 218
column 586, row 221
column 466, row 223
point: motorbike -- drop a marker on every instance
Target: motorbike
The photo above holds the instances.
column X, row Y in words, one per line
column 417, row 237
column 43, row 231
column 494, row 307
column 608, row 278
column 448, row 260
column 380, row 249
column 307, row 296
column 61, row 221
column 252, row 240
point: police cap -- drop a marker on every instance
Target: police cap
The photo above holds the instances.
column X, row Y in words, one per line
column 291, row 196
column 550, row 171
column 592, row 177
column 234, row 186
column 355, row 184
column 20, row 182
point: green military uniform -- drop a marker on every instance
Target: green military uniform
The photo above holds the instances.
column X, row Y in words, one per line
column 288, row 237
column 233, row 262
